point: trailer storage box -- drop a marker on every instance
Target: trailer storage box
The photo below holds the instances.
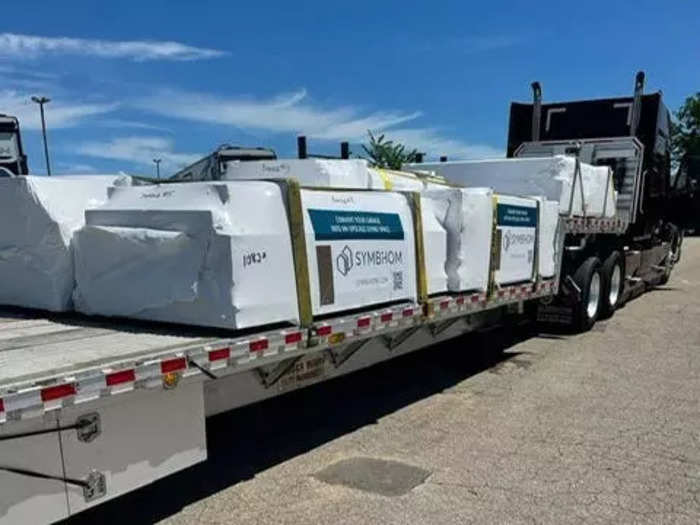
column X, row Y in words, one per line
column 210, row 254
column 360, row 248
column 38, row 216
column 588, row 192
column 322, row 173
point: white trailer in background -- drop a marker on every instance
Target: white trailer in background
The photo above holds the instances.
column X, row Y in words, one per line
column 92, row 408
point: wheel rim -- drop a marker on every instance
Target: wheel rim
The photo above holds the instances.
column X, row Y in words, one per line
column 615, row 280
column 593, row 296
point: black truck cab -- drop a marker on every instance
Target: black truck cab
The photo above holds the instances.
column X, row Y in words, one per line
column 13, row 161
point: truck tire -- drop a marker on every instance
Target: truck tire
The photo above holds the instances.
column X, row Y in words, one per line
column 613, row 273
column 674, row 253
column 589, row 279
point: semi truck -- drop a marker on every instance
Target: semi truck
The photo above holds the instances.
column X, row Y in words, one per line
column 93, row 408
column 13, row 161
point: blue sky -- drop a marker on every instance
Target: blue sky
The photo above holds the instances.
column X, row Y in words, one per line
column 131, row 80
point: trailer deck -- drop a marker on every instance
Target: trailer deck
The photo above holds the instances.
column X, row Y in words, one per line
column 36, row 344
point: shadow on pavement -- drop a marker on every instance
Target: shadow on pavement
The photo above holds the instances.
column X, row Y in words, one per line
column 249, row 440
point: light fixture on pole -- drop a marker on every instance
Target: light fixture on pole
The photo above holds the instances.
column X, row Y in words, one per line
column 157, row 162
column 41, row 101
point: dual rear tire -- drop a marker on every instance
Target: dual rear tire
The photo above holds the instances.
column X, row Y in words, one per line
column 601, row 287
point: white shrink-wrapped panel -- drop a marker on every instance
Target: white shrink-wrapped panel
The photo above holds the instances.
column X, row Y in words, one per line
column 516, row 224
column 322, row 173
column 550, row 177
column 360, row 248
column 355, row 174
column 467, row 216
column 210, row 254
column 434, row 244
column 38, row 216
column 548, row 237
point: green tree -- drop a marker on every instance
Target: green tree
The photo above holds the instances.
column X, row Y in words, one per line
column 388, row 154
column 685, row 132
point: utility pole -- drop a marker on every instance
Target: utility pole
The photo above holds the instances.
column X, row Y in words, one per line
column 157, row 162
column 41, row 101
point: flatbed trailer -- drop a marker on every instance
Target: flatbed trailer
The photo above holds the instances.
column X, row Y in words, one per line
column 93, row 408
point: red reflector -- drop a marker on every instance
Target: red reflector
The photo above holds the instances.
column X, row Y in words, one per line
column 386, row 318
column 459, row 300
column 474, row 299
column 324, row 330
column 256, row 346
column 292, row 338
column 2, row 405
column 218, row 355
column 173, row 365
column 408, row 312
column 363, row 322
column 444, row 305
column 123, row 376
column 57, row 392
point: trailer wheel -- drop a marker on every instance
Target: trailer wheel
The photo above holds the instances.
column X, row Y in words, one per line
column 589, row 280
column 613, row 273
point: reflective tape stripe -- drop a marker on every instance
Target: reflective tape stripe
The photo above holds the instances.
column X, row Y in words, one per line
column 56, row 392
column 121, row 377
column 173, row 365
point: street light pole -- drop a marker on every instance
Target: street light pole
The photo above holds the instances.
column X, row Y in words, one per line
column 157, row 161
column 41, row 101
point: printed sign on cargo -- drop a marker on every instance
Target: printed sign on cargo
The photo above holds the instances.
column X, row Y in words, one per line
column 360, row 247
column 511, row 215
column 517, row 224
column 335, row 225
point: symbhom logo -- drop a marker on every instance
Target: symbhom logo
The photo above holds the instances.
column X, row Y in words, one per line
column 344, row 260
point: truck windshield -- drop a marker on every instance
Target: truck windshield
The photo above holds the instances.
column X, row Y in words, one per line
column 8, row 146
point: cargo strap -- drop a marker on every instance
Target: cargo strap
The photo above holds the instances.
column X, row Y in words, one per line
column 301, row 265
column 386, row 179
column 495, row 255
column 536, row 249
column 421, row 277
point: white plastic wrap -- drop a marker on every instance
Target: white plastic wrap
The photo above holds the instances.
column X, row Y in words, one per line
column 38, row 216
column 360, row 248
column 467, row 216
column 434, row 245
column 322, row 173
column 548, row 237
column 549, row 177
column 210, row 254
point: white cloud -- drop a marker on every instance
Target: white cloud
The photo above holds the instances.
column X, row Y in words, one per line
column 66, row 168
column 30, row 46
column 124, row 123
column 293, row 113
column 434, row 144
column 285, row 113
column 59, row 114
column 138, row 150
